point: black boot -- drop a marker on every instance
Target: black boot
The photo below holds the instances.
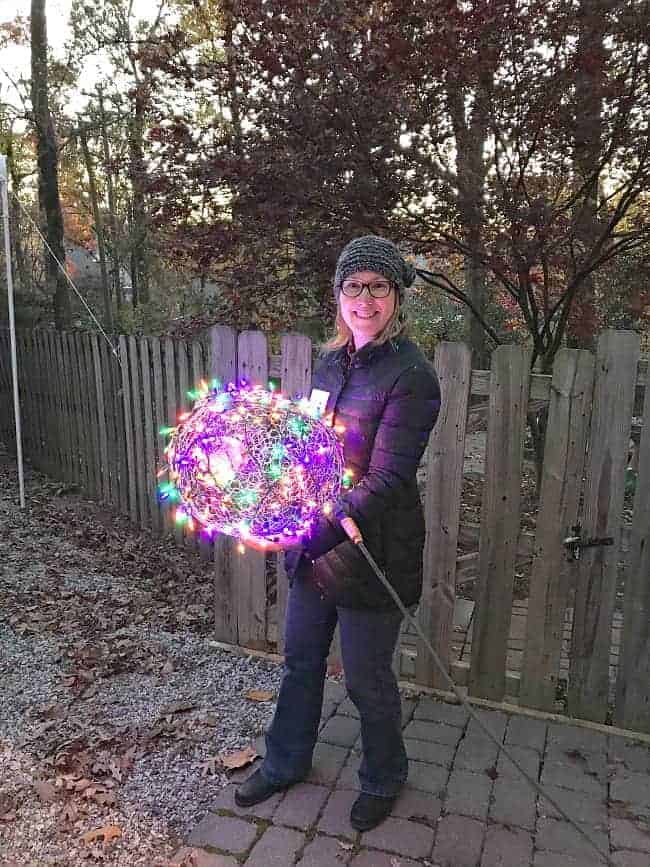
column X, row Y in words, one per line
column 256, row 789
column 369, row 810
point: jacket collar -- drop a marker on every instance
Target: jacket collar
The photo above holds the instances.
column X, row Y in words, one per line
column 345, row 356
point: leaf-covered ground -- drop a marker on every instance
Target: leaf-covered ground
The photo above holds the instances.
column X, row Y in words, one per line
column 116, row 707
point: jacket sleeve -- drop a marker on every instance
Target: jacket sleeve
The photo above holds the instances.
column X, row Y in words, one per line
column 408, row 418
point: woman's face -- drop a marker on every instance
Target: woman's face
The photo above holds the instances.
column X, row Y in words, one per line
column 364, row 315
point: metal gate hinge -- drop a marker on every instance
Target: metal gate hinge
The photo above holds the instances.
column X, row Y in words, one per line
column 575, row 543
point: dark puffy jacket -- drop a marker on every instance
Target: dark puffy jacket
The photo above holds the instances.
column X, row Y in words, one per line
column 387, row 397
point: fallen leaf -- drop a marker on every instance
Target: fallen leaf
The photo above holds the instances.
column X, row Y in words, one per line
column 69, row 814
column 575, row 755
column 106, row 834
column 238, row 759
column 177, row 707
column 90, row 692
column 45, row 791
column 260, row 694
column 209, row 766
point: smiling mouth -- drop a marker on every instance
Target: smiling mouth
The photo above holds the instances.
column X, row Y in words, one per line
column 365, row 315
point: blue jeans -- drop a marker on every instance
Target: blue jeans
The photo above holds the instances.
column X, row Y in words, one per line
column 368, row 640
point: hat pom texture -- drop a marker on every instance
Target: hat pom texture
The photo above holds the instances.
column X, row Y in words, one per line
column 373, row 253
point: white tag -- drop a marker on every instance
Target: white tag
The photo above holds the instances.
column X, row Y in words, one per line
column 318, row 400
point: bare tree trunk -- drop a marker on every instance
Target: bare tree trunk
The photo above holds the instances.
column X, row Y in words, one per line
column 590, row 82
column 99, row 229
column 230, row 13
column 138, row 222
column 112, row 210
column 48, row 172
column 471, row 169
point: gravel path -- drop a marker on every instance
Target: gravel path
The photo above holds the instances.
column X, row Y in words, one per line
column 115, row 702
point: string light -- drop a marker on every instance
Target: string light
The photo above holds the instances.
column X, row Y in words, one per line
column 252, row 464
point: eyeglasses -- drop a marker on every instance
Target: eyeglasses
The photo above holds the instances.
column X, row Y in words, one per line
column 377, row 289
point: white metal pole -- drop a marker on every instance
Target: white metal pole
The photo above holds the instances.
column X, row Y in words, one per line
column 12, row 328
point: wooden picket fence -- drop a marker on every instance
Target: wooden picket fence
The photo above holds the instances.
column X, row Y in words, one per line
column 91, row 415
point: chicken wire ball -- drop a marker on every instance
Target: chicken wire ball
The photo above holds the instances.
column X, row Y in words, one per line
column 252, row 464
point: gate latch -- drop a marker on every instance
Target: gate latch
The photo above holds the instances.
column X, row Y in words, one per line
column 575, row 543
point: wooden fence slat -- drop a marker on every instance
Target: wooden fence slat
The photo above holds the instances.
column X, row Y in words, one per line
column 6, row 389
column 107, row 362
column 633, row 696
column 138, row 433
column 223, row 367
column 49, row 442
column 160, row 421
column 130, row 481
column 21, row 390
column 199, row 373
column 79, row 396
column 81, row 410
column 27, row 427
column 52, row 446
column 564, row 458
column 61, row 453
column 171, row 407
column 96, row 419
column 71, row 396
column 295, row 381
column 101, row 418
column 63, row 436
column 182, row 533
column 445, row 458
column 60, row 456
column 37, row 388
column 30, row 374
column 500, row 519
column 120, row 374
column 90, row 412
column 149, row 436
column 597, row 570
column 249, row 568
column 48, row 404
column 44, row 433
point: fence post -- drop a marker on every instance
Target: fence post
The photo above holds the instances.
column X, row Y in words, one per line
column 633, row 698
column 564, row 457
column 249, row 568
column 616, row 369
column 500, row 520
column 223, row 366
column 445, row 460
column 295, row 380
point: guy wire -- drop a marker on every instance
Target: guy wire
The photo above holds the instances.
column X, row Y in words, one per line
column 69, row 279
column 358, row 540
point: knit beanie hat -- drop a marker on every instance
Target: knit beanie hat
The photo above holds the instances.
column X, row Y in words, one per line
column 372, row 253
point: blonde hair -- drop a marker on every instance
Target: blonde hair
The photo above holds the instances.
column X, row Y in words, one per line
column 397, row 326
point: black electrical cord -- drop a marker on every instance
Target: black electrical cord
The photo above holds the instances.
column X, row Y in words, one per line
column 355, row 536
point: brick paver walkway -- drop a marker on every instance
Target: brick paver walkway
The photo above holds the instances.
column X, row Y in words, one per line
column 465, row 805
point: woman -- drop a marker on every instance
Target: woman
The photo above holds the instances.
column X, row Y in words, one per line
column 384, row 392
